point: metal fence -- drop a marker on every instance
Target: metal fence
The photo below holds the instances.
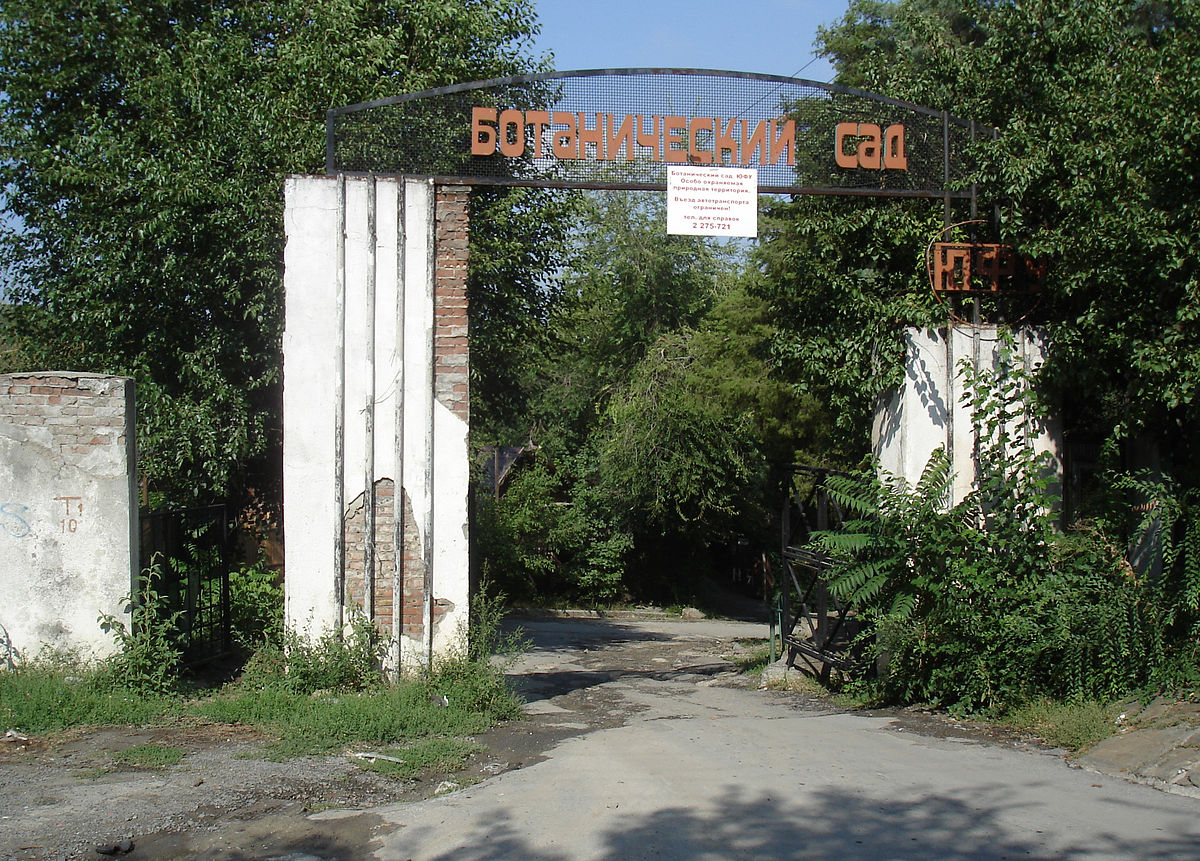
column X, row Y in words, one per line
column 190, row 550
column 816, row 626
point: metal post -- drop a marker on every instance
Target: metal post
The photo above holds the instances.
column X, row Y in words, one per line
column 369, row 410
column 429, row 405
column 946, row 216
column 398, row 480
column 339, row 406
column 821, row 634
column 785, row 535
column 975, row 309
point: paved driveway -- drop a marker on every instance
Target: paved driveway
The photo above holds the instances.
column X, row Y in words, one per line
column 660, row 754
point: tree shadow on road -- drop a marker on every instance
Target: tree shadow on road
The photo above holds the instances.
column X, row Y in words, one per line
column 828, row 823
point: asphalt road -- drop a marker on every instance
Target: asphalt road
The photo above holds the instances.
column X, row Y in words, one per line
column 663, row 756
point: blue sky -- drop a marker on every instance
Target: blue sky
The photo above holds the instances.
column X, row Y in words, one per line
column 769, row 36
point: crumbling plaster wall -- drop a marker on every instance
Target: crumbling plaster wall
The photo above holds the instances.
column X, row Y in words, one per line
column 376, row 397
column 68, row 510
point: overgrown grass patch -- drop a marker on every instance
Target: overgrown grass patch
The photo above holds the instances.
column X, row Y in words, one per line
column 432, row 754
column 1075, row 726
column 461, row 697
column 40, row 699
column 315, row 724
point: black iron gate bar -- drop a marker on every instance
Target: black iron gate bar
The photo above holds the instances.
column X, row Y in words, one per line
column 191, row 550
column 432, row 133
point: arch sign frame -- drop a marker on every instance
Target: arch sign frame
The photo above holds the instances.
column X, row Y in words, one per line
column 376, row 357
column 622, row 128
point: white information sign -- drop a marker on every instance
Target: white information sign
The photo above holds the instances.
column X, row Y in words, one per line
column 712, row 201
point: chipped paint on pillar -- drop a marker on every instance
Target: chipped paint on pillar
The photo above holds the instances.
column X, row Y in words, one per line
column 413, row 384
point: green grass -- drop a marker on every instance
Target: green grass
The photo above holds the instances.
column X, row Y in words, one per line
column 308, row 724
column 754, row 660
column 433, row 754
column 41, row 699
column 149, row 756
column 1075, row 726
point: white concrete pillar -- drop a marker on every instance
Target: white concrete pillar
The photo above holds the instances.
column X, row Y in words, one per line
column 343, row 461
column 930, row 410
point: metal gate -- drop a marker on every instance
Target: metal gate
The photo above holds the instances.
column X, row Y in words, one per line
column 817, row 628
column 190, row 549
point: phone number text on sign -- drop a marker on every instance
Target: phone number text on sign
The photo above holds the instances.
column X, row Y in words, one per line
column 712, row 201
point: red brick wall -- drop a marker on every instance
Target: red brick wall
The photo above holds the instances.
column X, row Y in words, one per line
column 450, row 349
column 81, row 411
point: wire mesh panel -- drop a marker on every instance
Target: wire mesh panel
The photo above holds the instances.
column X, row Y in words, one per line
column 623, row 128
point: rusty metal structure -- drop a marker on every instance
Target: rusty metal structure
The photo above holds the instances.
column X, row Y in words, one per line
column 817, row 629
column 981, row 279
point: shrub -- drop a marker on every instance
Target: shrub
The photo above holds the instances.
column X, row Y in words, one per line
column 148, row 660
column 255, row 605
column 299, row 665
column 986, row 605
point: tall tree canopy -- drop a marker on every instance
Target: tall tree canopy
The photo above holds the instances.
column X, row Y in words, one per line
column 143, row 146
column 1094, row 169
column 656, row 413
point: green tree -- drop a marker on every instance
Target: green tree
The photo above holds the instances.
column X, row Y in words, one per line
column 143, row 147
column 518, row 236
column 843, row 279
column 656, row 410
column 1093, row 169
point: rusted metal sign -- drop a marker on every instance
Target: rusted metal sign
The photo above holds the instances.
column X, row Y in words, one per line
column 982, row 267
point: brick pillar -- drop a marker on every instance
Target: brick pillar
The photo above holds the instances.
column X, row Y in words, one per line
column 451, row 351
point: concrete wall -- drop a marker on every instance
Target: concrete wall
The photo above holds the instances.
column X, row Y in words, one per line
column 928, row 410
column 68, row 509
column 375, row 399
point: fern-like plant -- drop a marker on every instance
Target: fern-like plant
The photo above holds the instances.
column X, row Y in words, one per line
column 986, row 604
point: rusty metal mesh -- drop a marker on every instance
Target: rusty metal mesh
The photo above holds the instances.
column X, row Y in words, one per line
column 431, row 133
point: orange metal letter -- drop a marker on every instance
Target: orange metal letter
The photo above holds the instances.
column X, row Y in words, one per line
column 483, row 136
column 651, row 140
column 512, row 133
column 785, row 143
column 539, row 120
column 695, row 126
column 845, row 159
column 621, row 136
column 593, row 136
column 674, row 144
column 893, row 148
column 870, row 150
column 566, row 144
column 951, row 266
column 725, row 142
column 756, row 141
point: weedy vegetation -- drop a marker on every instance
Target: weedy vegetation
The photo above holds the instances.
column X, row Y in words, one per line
column 988, row 607
column 306, row 696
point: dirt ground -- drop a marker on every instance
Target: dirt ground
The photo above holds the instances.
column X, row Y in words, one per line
column 67, row 796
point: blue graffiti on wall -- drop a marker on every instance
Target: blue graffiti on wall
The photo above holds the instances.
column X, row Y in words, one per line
column 12, row 519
